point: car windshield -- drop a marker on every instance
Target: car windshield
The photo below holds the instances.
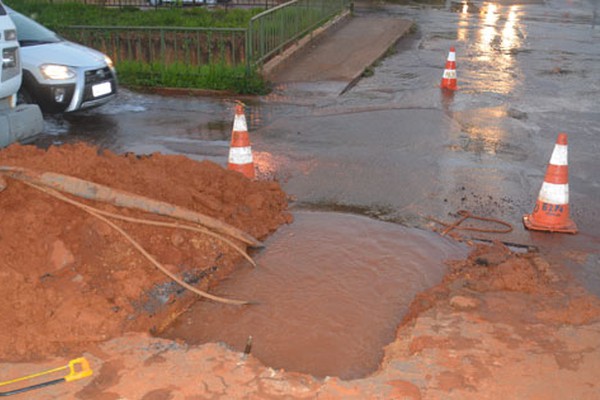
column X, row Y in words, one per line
column 30, row 33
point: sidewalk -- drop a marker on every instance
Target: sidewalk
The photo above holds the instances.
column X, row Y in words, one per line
column 342, row 52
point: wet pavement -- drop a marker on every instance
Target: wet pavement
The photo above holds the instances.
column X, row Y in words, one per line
column 394, row 147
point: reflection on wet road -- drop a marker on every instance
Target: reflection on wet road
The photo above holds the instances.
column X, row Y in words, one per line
column 497, row 39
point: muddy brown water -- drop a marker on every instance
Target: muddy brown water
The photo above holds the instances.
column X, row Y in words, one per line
column 331, row 289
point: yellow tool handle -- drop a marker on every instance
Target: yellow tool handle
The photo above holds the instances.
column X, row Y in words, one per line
column 83, row 372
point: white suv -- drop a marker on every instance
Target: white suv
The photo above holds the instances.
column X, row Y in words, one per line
column 58, row 75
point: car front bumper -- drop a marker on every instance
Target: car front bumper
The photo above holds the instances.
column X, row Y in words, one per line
column 92, row 88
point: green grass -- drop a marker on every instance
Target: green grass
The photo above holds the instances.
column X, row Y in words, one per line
column 57, row 15
column 212, row 77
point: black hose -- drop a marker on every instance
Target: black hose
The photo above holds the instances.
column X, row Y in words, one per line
column 32, row 387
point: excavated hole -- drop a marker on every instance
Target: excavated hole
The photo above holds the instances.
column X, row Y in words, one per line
column 331, row 290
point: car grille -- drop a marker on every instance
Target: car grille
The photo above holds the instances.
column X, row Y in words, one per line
column 94, row 77
column 97, row 76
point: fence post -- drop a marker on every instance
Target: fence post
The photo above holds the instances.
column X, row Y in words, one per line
column 162, row 48
column 249, row 53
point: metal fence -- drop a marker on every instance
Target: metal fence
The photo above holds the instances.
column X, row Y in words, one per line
column 271, row 31
column 267, row 34
column 189, row 46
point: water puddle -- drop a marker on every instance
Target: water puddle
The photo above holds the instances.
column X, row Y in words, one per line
column 331, row 289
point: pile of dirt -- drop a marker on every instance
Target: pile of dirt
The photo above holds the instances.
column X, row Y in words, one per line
column 548, row 292
column 500, row 325
column 69, row 279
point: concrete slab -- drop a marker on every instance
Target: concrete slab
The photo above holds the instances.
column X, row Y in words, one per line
column 343, row 52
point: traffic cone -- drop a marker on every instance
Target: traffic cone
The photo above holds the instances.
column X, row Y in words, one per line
column 240, row 152
column 449, row 77
column 551, row 212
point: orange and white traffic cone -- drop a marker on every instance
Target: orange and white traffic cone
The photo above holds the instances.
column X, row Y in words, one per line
column 240, row 152
column 449, row 77
column 551, row 211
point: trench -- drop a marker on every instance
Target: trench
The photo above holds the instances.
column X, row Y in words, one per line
column 331, row 290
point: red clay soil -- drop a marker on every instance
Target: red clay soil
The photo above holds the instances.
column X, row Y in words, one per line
column 500, row 326
column 68, row 279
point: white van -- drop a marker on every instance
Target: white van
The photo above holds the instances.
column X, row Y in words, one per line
column 58, row 75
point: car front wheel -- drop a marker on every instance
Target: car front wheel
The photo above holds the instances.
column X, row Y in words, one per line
column 23, row 97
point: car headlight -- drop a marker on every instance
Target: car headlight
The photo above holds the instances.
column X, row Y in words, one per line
column 10, row 34
column 57, row 72
column 108, row 61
